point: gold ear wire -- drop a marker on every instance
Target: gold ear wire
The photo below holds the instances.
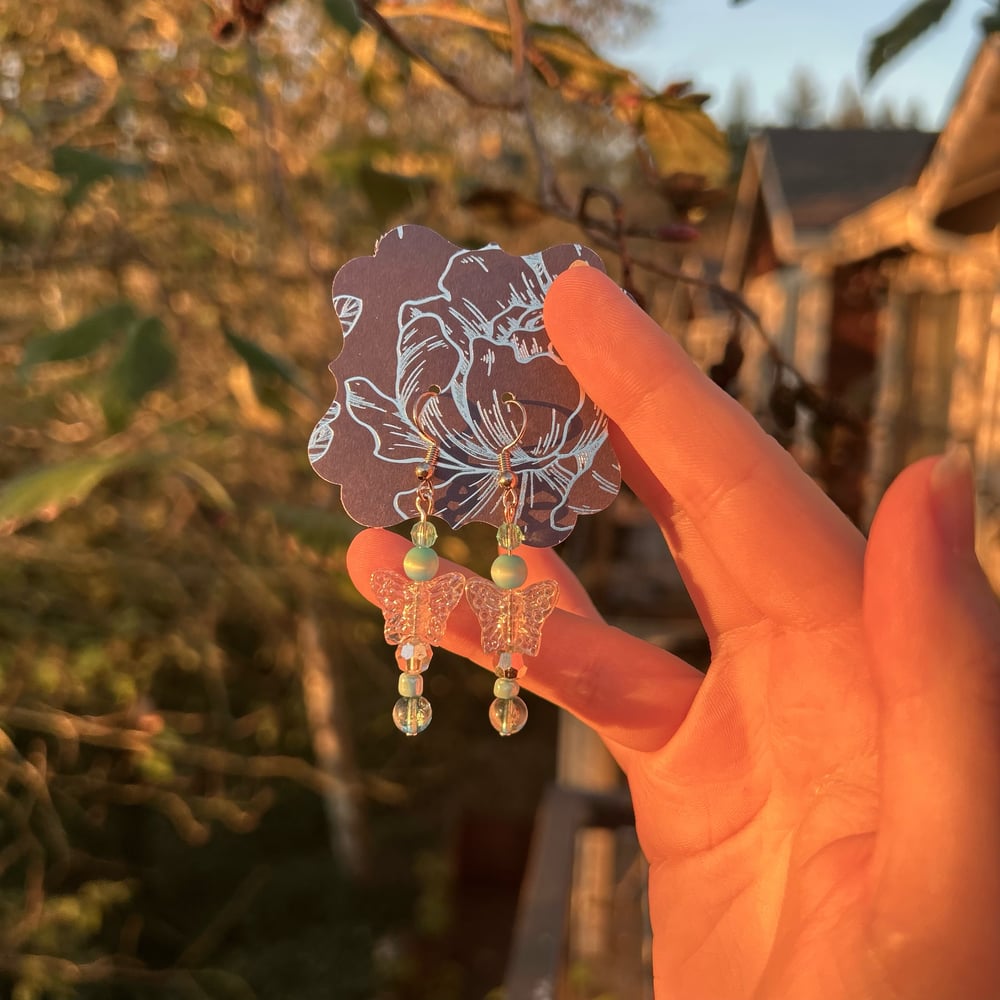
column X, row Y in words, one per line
column 425, row 469
column 506, row 478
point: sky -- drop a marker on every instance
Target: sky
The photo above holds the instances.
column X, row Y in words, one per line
column 712, row 43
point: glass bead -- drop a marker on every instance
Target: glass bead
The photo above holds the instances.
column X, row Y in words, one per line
column 508, row 572
column 508, row 715
column 509, row 536
column 504, row 688
column 414, row 657
column 411, row 685
column 423, row 534
column 421, row 564
column 508, row 665
column 412, row 715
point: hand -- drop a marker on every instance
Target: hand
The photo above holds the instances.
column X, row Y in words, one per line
column 821, row 812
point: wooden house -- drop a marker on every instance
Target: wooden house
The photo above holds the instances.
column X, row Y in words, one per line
column 873, row 260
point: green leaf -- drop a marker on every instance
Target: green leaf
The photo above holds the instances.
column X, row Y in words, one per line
column 213, row 490
column 344, row 14
column 569, row 50
column 146, row 362
column 264, row 363
column 78, row 340
column 200, row 210
column 682, row 139
column 203, row 124
column 43, row 494
column 912, row 25
column 85, row 167
column 389, row 194
column 324, row 531
column 220, row 984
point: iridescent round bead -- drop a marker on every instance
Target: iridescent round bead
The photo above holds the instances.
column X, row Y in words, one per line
column 509, row 536
column 509, row 572
column 423, row 534
column 508, row 715
column 411, row 685
column 504, row 688
column 420, row 563
column 414, row 657
column 412, row 715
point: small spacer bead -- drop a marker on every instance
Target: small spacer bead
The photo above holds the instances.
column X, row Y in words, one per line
column 504, row 688
column 508, row 571
column 507, row 666
column 507, row 480
column 423, row 471
column 411, row 685
column 509, row 536
column 421, row 563
column 423, row 534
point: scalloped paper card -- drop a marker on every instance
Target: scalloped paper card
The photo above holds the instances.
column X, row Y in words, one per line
column 424, row 312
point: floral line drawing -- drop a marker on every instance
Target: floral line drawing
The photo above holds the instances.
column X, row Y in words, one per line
column 477, row 333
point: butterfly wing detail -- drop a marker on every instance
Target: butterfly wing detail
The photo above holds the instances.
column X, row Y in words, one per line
column 511, row 620
column 416, row 610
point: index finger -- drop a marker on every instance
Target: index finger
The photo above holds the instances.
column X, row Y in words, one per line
column 758, row 513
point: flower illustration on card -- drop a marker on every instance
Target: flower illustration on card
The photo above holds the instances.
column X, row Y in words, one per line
column 424, row 312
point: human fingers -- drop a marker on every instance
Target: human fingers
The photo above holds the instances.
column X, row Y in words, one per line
column 721, row 602
column 573, row 596
column 933, row 625
column 780, row 538
column 629, row 691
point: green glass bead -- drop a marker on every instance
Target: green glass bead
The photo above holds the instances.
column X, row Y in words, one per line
column 509, row 572
column 420, row 563
column 411, row 685
column 503, row 688
column 509, row 536
column 423, row 534
column 508, row 715
column 412, row 715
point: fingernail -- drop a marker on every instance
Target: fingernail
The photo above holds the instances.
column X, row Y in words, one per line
column 953, row 498
column 579, row 263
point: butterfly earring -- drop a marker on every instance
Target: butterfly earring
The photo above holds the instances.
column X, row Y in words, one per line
column 510, row 616
column 416, row 606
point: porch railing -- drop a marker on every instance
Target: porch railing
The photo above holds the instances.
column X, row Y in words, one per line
column 537, row 968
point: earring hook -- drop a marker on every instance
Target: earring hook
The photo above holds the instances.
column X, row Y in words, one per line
column 426, row 468
column 509, row 399
column 506, row 478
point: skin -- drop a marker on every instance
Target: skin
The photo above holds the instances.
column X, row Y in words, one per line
column 821, row 812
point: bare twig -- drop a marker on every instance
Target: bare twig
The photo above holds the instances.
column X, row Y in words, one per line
column 97, row 733
column 269, row 145
column 323, row 712
column 548, row 185
column 372, row 15
column 209, row 940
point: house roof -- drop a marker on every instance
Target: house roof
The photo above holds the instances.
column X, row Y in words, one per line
column 966, row 161
column 826, row 175
column 844, row 192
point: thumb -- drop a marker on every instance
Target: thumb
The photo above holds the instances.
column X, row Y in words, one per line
column 933, row 628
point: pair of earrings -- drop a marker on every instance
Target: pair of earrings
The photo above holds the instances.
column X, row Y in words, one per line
column 416, row 605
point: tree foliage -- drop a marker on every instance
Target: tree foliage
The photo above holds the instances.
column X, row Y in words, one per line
column 173, row 601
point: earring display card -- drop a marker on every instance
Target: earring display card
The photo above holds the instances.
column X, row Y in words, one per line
column 423, row 312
